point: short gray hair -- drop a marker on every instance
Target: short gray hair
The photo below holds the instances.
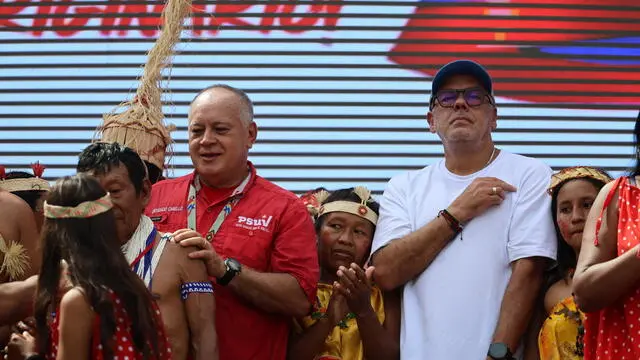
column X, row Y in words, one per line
column 244, row 98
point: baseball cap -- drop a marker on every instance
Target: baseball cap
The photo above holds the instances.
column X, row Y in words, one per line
column 462, row 67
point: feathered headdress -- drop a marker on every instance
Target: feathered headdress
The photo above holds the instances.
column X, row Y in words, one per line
column 36, row 183
column 361, row 209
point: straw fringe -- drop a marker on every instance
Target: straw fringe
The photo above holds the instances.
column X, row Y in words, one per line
column 16, row 260
column 138, row 123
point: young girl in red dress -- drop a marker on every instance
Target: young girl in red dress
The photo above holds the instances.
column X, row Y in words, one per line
column 106, row 312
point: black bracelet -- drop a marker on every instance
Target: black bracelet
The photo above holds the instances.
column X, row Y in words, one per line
column 454, row 224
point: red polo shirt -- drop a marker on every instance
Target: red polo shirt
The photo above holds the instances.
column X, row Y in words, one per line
column 268, row 230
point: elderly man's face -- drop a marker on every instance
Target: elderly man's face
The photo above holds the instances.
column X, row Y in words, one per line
column 462, row 123
column 220, row 136
column 128, row 204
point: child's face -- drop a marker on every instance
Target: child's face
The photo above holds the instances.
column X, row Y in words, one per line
column 574, row 202
column 344, row 239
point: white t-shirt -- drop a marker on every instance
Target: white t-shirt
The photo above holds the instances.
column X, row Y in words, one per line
column 451, row 310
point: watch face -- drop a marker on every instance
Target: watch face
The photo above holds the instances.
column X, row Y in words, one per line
column 498, row 350
column 233, row 265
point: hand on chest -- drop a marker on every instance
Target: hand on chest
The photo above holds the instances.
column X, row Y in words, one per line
column 247, row 237
column 426, row 209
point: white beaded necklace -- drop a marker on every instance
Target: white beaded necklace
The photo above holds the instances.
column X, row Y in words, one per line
column 136, row 245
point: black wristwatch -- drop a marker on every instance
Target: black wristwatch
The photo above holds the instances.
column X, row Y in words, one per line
column 233, row 268
column 500, row 351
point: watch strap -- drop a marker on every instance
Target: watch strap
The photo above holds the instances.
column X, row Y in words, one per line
column 229, row 274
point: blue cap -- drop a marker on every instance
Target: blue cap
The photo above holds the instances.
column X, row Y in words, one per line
column 462, row 67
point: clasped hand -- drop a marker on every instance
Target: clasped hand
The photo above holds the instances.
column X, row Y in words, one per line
column 351, row 292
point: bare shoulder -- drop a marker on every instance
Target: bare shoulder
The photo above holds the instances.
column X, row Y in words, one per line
column 602, row 196
column 607, row 187
column 190, row 268
column 556, row 293
column 75, row 301
column 16, row 204
column 178, row 253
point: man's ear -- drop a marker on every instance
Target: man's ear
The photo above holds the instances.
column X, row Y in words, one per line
column 494, row 119
column 431, row 122
column 145, row 192
column 253, row 133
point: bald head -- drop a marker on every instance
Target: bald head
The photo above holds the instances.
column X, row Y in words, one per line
column 219, row 92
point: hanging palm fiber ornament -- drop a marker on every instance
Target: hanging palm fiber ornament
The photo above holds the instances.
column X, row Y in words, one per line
column 138, row 123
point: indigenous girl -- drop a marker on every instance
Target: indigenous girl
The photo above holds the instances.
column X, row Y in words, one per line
column 573, row 191
column 107, row 313
column 608, row 271
column 351, row 319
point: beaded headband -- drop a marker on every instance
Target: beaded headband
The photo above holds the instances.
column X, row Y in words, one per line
column 85, row 209
column 361, row 209
column 577, row 172
column 25, row 184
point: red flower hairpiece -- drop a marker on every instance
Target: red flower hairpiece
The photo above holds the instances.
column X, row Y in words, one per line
column 38, row 169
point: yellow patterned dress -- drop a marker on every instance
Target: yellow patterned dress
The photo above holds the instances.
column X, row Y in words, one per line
column 343, row 343
column 561, row 334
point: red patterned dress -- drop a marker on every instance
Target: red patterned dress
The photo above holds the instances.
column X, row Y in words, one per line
column 123, row 347
column 613, row 333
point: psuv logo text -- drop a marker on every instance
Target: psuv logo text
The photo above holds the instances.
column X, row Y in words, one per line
column 260, row 223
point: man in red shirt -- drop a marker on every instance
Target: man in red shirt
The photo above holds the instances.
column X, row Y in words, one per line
column 263, row 256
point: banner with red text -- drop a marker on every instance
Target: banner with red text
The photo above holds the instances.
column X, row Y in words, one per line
column 340, row 87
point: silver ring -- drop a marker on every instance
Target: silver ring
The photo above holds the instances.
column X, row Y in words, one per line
column 494, row 190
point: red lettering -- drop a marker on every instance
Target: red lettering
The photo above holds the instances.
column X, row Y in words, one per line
column 42, row 20
column 151, row 20
column 61, row 22
column 198, row 12
column 332, row 21
column 108, row 22
column 73, row 22
column 7, row 11
column 289, row 20
column 217, row 22
column 70, row 19
column 269, row 18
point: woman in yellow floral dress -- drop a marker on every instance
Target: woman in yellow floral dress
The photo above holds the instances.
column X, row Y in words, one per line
column 351, row 318
column 560, row 335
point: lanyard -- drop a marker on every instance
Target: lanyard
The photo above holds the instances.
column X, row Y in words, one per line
column 226, row 210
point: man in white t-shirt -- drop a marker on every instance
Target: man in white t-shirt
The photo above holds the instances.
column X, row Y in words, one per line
column 469, row 236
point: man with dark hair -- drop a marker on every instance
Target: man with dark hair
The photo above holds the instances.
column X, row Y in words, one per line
column 466, row 237
column 181, row 286
column 264, row 258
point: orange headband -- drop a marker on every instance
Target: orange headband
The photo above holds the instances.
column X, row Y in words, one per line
column 85, row 209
